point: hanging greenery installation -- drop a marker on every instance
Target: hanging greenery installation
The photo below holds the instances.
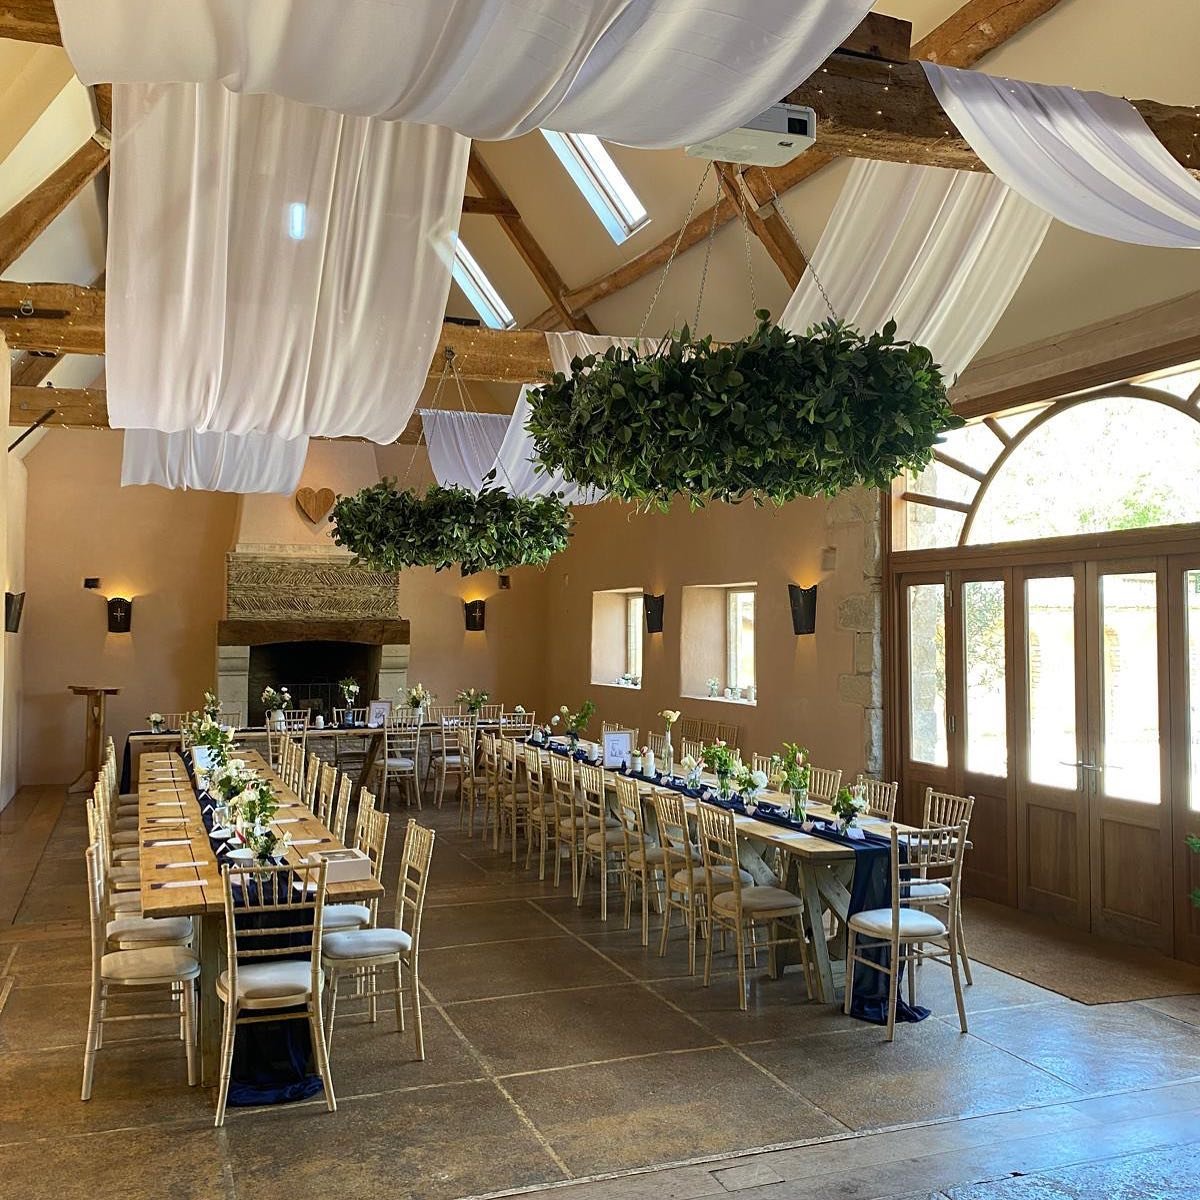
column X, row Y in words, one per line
column 771, row 417
column 390, row 528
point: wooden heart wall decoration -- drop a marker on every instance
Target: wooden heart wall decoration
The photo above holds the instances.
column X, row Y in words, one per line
column 315, row 505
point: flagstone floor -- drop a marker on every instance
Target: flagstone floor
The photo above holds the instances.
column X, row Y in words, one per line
column 560, row 1052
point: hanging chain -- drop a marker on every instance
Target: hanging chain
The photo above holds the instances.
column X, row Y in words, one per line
column 708, row 245
column 749, row 258
column 674, row 250
column 795, row 237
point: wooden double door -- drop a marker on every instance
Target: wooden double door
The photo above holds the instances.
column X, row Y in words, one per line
column 1065, row 696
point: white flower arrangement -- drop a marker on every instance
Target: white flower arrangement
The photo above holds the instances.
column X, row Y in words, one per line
column 713, row 684
column 520, row 710
column 212, row 706
column 420, row 696
column 750, row 783
column 349, row 688
column 276, row 699
column 670, row 715
column 156, row 721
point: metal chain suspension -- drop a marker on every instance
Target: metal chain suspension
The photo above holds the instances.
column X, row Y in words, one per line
column 795, row 237
column 708, row 245
column 674, row 250
column 749, row 258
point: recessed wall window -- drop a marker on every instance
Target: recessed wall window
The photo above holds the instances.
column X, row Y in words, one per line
column 617, row 628
column 600, row 180
column 717, row 646
column 479, row 290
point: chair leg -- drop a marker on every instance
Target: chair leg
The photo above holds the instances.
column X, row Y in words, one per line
column 958, row 996
column 666, row 929
column 93, row 1030
column 332, row 1007
column 399, row 997
column 912, row 975
column 708, row 952
column 418, row 1026
column 227, row 1035
column 189, row 1019
column 962, row 950
column 544, row 837
column 529, row 838
column 740, row 947
column 557, row 856
column 627, row 881
column 321, row 1051
column 645, row 907
column 849, row 970
column 583, row 871
column 893, row 988
column 604, row 866
column 692, row 924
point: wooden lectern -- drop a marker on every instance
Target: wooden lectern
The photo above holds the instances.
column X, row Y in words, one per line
column 93, row 753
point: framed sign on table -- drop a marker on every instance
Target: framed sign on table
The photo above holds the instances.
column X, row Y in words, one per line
column 378, row 713
column 618, row 747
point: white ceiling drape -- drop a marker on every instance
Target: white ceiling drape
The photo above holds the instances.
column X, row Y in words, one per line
column 1086, row 158
column 939, row 251
column 462, row 445
column 213, row 462
column 652, row 73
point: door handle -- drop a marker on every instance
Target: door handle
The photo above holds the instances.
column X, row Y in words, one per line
column 1086, row 766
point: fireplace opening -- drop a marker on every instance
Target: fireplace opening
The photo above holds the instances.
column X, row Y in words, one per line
column 311, row 672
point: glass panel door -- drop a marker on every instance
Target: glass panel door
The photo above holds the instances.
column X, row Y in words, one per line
column 985, row 677
column 1050, row 659
column 927, row 674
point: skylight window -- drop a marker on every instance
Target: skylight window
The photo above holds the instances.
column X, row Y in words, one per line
column 478, row 289
column 600, row 181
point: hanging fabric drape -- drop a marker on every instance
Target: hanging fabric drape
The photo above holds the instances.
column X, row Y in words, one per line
column 1086, row 158
column 939, row 251
column 649, row 73
column 462, row 445
column 516, row 464
column 213, row 462
column 273, row 268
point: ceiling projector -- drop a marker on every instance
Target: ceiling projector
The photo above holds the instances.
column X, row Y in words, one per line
column 771, row 139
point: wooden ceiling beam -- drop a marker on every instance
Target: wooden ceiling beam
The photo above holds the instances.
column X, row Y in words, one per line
column 495, row 208
column 767, row 225
column 25, row 221
column 527, row 246
column 52, row 316
column 30, row 21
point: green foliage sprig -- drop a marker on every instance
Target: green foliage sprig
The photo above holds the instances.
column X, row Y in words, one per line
column 390, row 529
column 771, row 417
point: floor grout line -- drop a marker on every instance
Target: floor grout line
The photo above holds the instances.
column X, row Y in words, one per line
column 700, row 1025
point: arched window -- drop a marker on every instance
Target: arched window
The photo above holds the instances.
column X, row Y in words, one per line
column 1124, row 458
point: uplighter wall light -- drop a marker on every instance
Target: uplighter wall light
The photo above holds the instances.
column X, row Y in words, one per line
column 473, row 615
column 120, row 615
column 654, row 606
column 804, row 608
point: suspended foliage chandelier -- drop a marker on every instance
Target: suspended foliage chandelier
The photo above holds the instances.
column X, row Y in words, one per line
column 771, row 417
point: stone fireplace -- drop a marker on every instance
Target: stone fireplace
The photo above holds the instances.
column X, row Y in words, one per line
column 299, row 612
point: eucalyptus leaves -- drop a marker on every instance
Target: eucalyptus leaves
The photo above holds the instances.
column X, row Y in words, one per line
column 771, row 417
column 389, row 528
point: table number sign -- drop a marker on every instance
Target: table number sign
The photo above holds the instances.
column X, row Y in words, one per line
column 618, row 747
column 378, row 713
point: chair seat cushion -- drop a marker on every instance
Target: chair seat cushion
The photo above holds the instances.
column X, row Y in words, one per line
column 400, row 764
column 125, row 875
column 933, row 890
column 914, row 923
column 451, row 760
column 152, row 931
column 126, row 855
column 610, row 838
column 126, row 903
column 722, row 878
column 278, row 984
column 760, row 901
column 654, row 855
column 365, row 943
column 346, row 916
column 146, row 966
column 125, row 837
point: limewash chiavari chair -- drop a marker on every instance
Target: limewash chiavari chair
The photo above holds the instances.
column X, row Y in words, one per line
column 731, row 735
column 708, row 731
column 684, row 888
column 568, row 817
column 325, row 791
column 908, row 929
column 694, row 749
column 643, row 860
column 312, row 779
column 231, row 714
column 271, row 915
column 510, row 809
column 472, row 786
column 402, row 740
column 880, row 797
column 541, row 813
column 444, row 756
column 174, row 721
column 743, row 907
column 366, row 806
column 295, row 721
column 761, row 762
column 603, row 841
column 943, row 809
column 490, row 712
column 824, row 783
column 371, row 839
column 169, row 966
column 517, row 724
column 357, row 950
column 656, row 742
column 341, row 810
column 689, row 727
column 349, row 749
column 489, row 754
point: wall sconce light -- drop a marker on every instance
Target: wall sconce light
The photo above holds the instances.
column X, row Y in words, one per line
column 14, row 602
column 120, row 615
column 473, row 615
column 804, row 608
column 654, row 612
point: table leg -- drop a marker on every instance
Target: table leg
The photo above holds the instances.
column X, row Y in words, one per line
column 815, row 927
column 369, row 759
column 212, row 934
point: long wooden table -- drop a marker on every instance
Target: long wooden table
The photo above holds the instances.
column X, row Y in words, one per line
column 181, row 877
column 821, row 872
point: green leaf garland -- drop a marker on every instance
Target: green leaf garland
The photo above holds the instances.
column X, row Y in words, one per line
column 389, row 528
column 771, row 417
